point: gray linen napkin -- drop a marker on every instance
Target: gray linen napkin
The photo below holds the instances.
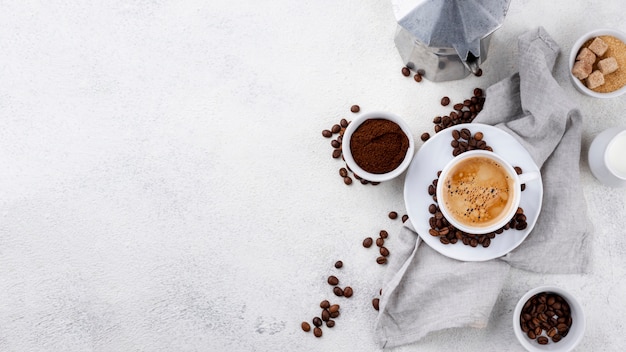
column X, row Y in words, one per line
column 424, row 291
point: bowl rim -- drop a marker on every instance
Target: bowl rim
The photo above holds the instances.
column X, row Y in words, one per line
column 347, row 153
column 574, row 52
column 574, row 306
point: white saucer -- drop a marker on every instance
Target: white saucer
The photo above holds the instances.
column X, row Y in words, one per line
column 433, row 156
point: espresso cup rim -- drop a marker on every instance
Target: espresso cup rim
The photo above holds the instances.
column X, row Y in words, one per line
column 505, row 219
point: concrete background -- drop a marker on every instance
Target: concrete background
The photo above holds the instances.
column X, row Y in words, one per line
column 165, row 185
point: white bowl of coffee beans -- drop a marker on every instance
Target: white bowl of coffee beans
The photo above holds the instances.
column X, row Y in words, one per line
column 378, row 146
column 597, row 63
column 548, row 318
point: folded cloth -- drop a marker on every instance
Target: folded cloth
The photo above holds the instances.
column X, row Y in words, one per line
column 424, row 291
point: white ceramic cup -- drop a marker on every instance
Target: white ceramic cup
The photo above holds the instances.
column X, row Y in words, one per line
column 607, row 157
column 567, row 343
column 512, row 205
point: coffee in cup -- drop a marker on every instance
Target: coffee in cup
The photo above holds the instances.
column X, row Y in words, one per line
column 479, row 192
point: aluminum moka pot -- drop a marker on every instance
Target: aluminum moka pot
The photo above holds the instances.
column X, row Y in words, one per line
column 446, row 40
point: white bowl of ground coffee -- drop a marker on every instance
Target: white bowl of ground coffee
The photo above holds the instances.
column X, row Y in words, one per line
column 378, row 146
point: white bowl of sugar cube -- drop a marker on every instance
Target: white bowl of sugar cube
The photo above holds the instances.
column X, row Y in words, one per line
column 597, row 63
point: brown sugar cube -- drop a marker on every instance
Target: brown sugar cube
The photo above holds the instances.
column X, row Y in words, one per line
column 586, row 55
column 608, row 65
column 598, row 46
column 595, row 79
column 581, row 69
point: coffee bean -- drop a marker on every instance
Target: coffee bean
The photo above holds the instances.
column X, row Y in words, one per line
column 367, row 243
column 334, row 308
column 465, row 134
column 432, row 208
column 347, row 292
column 479, row 72
column 417, row 77
column 338, row 264
column 355, row 108
column 542, row 340
column 336, row 128
column 336, row 153
column 381, row 260
column 478, row 136
column 393, row 215
column 458, row 107
column 343, row 172
column 425, row 136
column 406, row 71
column 531, row 334
column 317, row 332
column 552, row 331
column 317, row 321
column 330, row 323
column 324, row 304
column 334, row 314
column 305, row 326
column 333, row 280
column 405, row 218
column 325, row 315
column 445, row 101
column 437, row 119
column 347, row 180
column 380, row 241
column 375, row 303
column 327, row 133
column 556, row 338
column 335, row 144
column 383, row 234
column 384, row 251
column 338, row 291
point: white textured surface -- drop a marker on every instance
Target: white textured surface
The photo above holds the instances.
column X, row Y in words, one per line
column 165, row 186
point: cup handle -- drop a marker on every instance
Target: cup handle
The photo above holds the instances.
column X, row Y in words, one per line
column 528, row 176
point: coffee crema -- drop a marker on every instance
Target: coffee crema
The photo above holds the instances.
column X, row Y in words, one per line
column 477, row 191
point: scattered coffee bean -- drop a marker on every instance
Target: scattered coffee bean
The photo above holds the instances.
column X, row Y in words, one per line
column 338, row 264
column 367, row 243
column 305, row 326
column 338, row 291
column 425, row 136
column 324, row 304
column 317, row 332
column 330, row 323
column 542, row 340
column 355, row 108
column 347, row 292
column 417, row 77
column 336, row 128
column 333, row 280
column 406, row 71
column 479, row 72
column 383, row 234
column 445, row 101
column 343, row 172
column 336, row 153
column 393, row 215
column 327, row 133
column 405, row 218
column 343, row 123
column 317, row 321
column 325, row 315
column 334, row 308
column 380, row 242
column 384, row 251
column 381, row 260
column 347, row 180
column 375, row 303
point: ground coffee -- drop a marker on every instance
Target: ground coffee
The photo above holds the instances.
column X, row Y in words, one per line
column 379, row 146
